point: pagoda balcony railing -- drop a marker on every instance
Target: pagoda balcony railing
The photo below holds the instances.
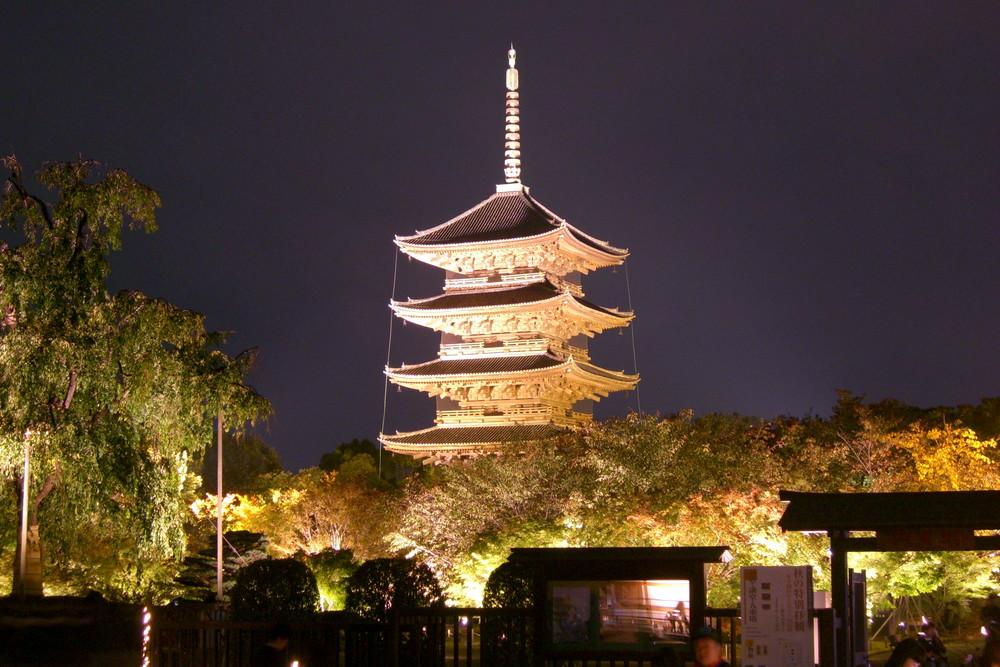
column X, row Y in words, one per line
column 576, row 352
column 525, row 345
column 507, row 415
column 521, row 346
column 510, row 279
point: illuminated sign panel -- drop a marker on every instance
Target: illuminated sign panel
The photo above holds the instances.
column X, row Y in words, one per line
column 603, row 614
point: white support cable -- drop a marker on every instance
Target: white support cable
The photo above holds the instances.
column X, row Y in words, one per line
column 635, row 363
column 388, row 352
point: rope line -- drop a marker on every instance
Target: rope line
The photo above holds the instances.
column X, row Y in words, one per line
column 388, row 351
column 635, row 363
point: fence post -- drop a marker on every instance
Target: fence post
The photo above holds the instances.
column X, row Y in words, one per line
column 393, row 638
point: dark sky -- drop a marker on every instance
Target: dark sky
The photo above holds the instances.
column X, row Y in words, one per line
column 810, row 191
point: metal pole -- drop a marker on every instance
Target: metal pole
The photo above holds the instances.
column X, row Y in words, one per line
column 24, row 518
column 218, row 517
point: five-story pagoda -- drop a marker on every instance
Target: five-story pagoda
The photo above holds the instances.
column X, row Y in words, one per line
column 513, row 364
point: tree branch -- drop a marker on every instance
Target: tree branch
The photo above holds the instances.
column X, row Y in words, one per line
column 70, row 390
column 81, row 228
column 17, row 182
column 50, row 483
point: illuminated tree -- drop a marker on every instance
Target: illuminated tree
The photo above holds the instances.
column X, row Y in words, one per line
column 946, row 458
column 332, row 569
column 314, row 511
column 387, row 468
column 114, row 394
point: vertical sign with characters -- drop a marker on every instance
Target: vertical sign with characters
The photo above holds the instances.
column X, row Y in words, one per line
column 776, row 606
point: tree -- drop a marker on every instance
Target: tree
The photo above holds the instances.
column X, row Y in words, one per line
column 197, row 578
column 114, row 395
column 247, row 463
column 388, row 469
column 332, row 569
column 316, row 511
column 947, row 458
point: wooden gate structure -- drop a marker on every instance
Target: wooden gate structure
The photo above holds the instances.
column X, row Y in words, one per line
column 911, row 521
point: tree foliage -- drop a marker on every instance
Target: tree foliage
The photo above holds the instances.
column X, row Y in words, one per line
column 382, row 468
column 247, row 464
column 332, row 569
column 314, row 511
column 114, row 394
column 647, row 480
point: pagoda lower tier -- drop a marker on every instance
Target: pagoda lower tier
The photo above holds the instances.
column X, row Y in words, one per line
column 443, row 443
column 500, row 398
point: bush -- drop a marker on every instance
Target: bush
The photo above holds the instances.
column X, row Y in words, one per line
column 509, row 587
column 384, row 583
column 270, row 590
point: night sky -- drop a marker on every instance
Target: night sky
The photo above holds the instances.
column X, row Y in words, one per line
column 810, row 191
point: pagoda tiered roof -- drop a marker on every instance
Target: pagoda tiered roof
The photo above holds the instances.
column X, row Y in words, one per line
column 530, row 294
column 455, row 441
column 582, row 380
column 440, row 312
column 501, row 365
column 510, row 220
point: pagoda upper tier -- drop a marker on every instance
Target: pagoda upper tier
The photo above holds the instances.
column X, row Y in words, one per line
column 521, row 304
column 507, row 231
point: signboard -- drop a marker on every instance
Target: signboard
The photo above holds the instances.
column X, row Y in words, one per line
column 618, row 613
column 776, row 610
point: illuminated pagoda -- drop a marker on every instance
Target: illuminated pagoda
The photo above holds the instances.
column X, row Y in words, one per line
column 513, row 364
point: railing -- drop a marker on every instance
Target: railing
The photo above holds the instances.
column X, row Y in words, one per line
column 465, row 637
column 191, row 636
column 511, row 279
column 506, row 414
column 439, row 637
column 578, row 353
column 520, row 345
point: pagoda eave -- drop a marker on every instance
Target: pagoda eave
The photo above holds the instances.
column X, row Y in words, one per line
column 460, row 441
column 558, row 251
column 563, row 313
column 569, row 381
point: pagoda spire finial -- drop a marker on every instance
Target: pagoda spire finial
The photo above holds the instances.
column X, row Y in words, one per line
column 512, row 136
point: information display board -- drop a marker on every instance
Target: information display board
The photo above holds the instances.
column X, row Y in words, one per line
column 776, row 610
